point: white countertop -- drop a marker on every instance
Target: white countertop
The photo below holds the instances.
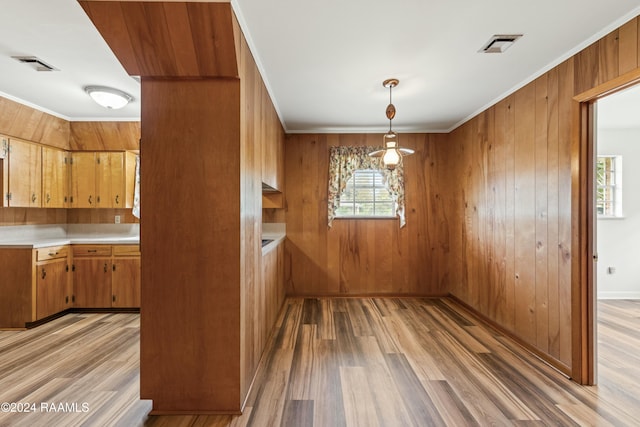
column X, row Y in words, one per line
column 276, row 232
column 35, row 237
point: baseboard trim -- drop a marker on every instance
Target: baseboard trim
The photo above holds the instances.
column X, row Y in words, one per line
column 619, row 295
column 549, row 360
column 373, row 295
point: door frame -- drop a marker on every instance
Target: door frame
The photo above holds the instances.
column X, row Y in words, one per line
column 584, row 289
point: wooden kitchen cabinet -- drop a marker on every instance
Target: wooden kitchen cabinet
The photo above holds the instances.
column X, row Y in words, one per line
column 273, row 155
column 102, row 179
column 272, row 291
column 106, row 276
column 53, row 290
column 83, row 180
column 55, row 178
column 92, row 275
column 125, row 280
column 34, row 284
column 24, row 174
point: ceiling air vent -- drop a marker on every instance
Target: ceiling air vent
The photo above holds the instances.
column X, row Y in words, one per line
column 499, row 43
column 35, row 63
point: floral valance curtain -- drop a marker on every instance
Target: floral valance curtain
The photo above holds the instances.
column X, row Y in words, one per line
column 345, row 160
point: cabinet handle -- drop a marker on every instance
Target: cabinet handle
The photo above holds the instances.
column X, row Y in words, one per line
column 98, row 199
column 53, row 253
column 113, row 298
column 33, row 197
column 44, row 273
column 66, row 299
column 105, row 267
column 92, row 250
column 90, row 200
column 117, row 199
column 48, row 197
column 114, row 267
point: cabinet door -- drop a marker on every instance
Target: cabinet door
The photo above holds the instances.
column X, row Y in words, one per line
column 110, row 179
column 55, row 178
column 92, row 282
column 83, row 180
column 51, row 287
column 25, row 174
column 125, row 284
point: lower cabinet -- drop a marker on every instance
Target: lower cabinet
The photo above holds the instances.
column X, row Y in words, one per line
column 92, row 282
column 106, row 276
column 125, row 278
column 53, row 293
column 34, row 284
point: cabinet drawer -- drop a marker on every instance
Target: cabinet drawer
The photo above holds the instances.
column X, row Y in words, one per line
column 52, row 252
column 91, row 250
column 126, row 250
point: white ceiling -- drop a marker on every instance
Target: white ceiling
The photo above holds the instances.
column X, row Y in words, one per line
column 324, row 61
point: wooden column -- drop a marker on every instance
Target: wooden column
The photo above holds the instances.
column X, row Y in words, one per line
column 193, row 252
column 190, row 237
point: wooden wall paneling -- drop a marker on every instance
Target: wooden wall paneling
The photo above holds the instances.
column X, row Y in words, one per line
column 553, row 197
column 109, row 18
column 105, row 136
column 357, row 257
column 608, row 57
column 190, row 323
column 484, row 210
column 524, row 155
column 100, row 216
column 178, row 39
column 541, row 213
column 21, row 121
column 510, row 218
column 628, row 46
column 587, row 66
column 32, row 216
column 252, row 292
column 566, row 72
column 497, row 175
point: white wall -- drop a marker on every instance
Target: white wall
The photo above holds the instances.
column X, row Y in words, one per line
column 619, row 239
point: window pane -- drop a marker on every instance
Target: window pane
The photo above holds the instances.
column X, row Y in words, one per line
column 365, row 195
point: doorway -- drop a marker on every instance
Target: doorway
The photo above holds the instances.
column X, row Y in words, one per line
column 617, row 219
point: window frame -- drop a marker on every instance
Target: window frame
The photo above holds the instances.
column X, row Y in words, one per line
column 377, row 184
column 614, row 188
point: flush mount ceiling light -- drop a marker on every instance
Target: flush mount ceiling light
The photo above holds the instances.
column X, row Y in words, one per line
column 392, row 153
column 108, row 97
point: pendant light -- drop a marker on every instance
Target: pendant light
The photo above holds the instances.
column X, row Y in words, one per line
column 392, row 153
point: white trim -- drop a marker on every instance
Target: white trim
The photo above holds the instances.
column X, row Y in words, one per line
column 252, row 48
column 619, row 295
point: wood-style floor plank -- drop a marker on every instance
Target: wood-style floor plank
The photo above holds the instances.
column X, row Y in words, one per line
column 336, row 362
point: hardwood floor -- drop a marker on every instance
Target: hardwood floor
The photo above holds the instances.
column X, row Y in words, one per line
column 335, row 362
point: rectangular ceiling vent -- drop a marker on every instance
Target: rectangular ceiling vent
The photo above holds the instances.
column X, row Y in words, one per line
column 35, row 63
column 499, row 43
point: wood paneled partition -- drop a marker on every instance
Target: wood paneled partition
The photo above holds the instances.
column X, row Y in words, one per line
column 375, row 256
column 519, row 194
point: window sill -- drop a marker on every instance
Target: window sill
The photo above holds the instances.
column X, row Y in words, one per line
column 606, row 218
column 365, row 217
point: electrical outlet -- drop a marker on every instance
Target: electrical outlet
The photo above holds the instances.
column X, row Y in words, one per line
column 611, row 270
column 117, row 219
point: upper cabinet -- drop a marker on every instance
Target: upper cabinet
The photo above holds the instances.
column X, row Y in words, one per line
column 102, row 179
column 24, row 174
column 55, row 178
column 272, row 137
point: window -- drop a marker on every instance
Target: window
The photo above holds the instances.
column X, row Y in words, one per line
column 365, row 196
column 376, row 191
column 609, row 186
